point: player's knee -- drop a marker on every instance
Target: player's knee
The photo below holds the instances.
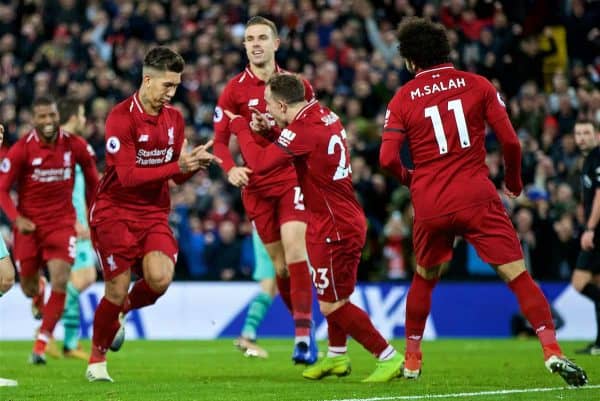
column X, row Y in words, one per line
column 577, row 284
column 159, row 280
column 30, row 288
column 327, row 308
column 59, row 281
column 6, row 284
column 295, row 254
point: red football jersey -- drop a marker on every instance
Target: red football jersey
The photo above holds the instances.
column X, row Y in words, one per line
column 243, row 91
column 316, row 143
column 141, row 156
column 442, row 113
column 44, row 174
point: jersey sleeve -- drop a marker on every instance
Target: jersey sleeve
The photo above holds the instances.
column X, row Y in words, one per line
column 393, row 137
column 9, row 172
column 120, row 151
column 262, row 160
column 497, row 118
column 86, row 159
column 221, row 128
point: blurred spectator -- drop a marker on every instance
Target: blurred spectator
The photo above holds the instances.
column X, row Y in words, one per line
column 348, row 51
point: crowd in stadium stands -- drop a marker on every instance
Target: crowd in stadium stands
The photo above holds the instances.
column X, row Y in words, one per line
column 544, row 56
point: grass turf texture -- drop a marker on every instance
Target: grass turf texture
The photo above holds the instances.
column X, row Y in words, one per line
column 215, row 370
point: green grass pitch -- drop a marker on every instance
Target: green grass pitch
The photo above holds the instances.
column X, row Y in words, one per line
column 462, row 369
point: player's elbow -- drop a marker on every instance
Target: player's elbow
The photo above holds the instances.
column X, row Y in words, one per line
column 512, row 144
column 386, row 159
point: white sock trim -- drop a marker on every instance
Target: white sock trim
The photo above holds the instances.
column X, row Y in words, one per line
column 387, row 353
column 336, row 351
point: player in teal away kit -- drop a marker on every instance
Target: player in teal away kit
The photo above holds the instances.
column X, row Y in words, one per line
column 83, row 272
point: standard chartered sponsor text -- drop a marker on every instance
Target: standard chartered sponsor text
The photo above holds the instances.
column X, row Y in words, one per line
column 149, row 157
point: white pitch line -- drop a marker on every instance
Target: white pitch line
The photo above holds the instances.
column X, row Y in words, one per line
column 476, row 394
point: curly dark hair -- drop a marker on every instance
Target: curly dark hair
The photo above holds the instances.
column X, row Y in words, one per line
column 423, row 42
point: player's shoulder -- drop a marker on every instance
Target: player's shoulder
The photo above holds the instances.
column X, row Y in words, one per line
column 239, row 80
column 476, row 79
column 595, row 155
column 124, row 109
column 28, row 139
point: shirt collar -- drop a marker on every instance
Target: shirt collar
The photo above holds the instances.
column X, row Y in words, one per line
column 136, row 107
column 256, row 79
column 304, row 109
column 439, row 67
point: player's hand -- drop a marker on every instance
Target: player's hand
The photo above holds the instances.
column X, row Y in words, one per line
column 587, row 240
column 260, row 122
column 197, row 158
column 204, row 157
column 81, row 231
column 231, row 116
column 238, row 176
column 511, row 194
column 24, row 225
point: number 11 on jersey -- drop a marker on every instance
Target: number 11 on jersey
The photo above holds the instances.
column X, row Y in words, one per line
column 433, row 113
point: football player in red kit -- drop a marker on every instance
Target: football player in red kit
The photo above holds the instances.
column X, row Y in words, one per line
column 272, row 199
column 42, row 165
column 314, row 140
column 442, row 114
column 145, row 148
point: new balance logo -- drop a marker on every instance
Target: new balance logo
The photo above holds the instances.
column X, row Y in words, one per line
column 37, row 161
column 143, row 138
column 286, row 137
column 112, row 265
column 252, row 102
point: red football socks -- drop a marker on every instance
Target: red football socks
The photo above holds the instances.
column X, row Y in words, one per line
column 354, row 321
column 53, row 310
column 106, row 325
column 418, row 306
column 140, row 295
column 283, row 286
column 536, row 309
column 301, row 296
column 336, row 337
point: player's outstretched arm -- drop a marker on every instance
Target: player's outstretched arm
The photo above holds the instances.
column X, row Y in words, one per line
column 259, row 159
